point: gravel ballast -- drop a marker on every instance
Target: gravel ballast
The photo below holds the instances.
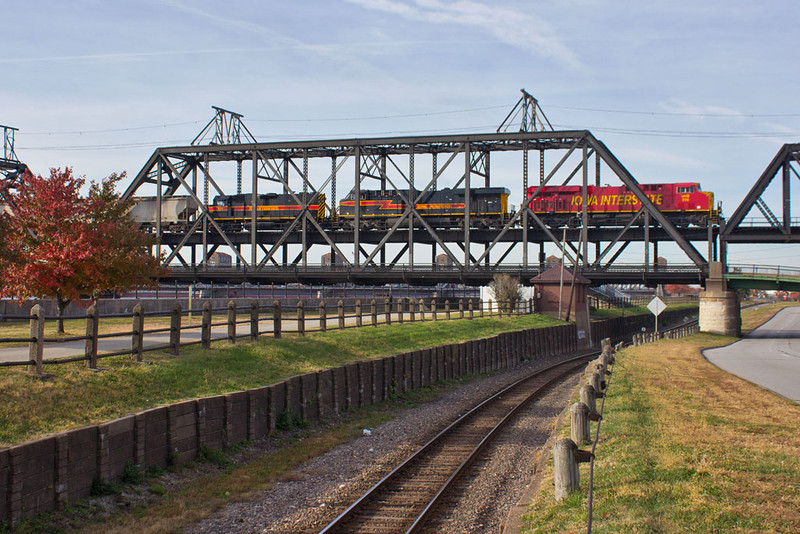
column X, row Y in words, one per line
column 319, row 490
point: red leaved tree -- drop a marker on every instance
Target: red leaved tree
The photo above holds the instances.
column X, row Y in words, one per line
column 62, row 245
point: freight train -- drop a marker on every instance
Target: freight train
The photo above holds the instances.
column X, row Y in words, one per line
column 682, row 203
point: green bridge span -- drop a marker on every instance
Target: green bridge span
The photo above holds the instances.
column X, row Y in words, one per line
column 763, row 277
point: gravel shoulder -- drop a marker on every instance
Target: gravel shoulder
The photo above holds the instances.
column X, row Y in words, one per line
column 320, row 489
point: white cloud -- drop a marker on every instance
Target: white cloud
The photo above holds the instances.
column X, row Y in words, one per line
column 520, row 29
column 664, row 159
column 681, row 107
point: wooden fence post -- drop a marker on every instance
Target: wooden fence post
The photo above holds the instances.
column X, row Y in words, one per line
column 460, row 308
column 596, row 382
column 588, row 397
column 471, row 309
column 490, row 308
column 301, row 318
column 323, row 316
column 138, row 333
column 373, row 310
column 276, row 319
column 480, row 306
column 447, row 309
column 340, row 309
column 231, row 322
column 359, row 314
column 36, row 344
column 566, row 457
column 387, row 311
column 92, row 324
column 254, row 313
column 205, row 330
column 411, row 311
column 400, row 310
column 175, row 329
column 579, row 423
column 433, row 310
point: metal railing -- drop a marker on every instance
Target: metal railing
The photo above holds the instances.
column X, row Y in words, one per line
column 776, row 271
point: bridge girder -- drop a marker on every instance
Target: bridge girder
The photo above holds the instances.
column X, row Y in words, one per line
column 392, row 162
column 777, row 228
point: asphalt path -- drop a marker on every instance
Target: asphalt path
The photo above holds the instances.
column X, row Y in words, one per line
column 769, row 356
column 69, row 349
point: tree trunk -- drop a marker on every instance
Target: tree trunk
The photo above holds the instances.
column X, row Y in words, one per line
column 62, row 304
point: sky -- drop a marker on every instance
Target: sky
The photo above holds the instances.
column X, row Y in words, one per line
column 678, row 90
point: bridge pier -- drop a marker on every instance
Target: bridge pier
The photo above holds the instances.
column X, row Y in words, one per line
column 719, row 308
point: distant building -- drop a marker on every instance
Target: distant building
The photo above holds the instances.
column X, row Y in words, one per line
column 559, row 292
column 552, row 261
column 220, row 259
column 443, row 260
column 331, row 259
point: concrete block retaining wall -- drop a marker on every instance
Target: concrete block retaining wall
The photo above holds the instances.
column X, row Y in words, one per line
column 45, row 474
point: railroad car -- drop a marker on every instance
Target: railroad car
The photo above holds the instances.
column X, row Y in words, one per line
column 175, row 212
column 273, row 210
column 442, row 209
column 683, row 203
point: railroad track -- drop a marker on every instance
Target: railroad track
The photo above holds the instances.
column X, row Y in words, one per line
column 405, row 499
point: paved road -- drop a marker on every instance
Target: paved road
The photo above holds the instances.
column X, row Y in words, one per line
column 769, row 356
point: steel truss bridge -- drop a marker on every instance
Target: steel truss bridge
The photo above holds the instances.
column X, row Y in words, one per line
column 463, row 254
column 11, row 168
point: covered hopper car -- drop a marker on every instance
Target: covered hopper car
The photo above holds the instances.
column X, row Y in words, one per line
column 176, row 211
column 683, row 203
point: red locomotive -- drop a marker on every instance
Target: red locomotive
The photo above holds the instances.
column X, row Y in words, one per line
column 683, row 203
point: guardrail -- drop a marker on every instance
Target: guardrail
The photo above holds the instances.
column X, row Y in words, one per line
column 437, row 268
column 753, row 269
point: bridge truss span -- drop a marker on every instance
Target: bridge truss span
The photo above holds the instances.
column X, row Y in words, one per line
column 316, row 176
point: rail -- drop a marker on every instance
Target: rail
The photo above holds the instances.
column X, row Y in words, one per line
column 443, row 450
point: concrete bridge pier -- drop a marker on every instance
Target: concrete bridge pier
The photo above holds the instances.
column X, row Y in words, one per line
column 719, row 308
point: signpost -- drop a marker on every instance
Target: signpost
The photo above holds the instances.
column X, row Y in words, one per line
column 656, row 306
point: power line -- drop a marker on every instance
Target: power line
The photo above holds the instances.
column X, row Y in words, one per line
column 109, row 130
column 330, row 119
column 379, row 117
column 734, row 115
column 684, row 133
column 434, row 114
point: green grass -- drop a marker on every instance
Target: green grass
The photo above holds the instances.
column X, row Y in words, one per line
column 226, row 478
column 684, row 447
column 75, row 397
column 637, row 310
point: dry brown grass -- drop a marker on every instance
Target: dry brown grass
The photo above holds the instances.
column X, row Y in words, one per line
column 686, row 447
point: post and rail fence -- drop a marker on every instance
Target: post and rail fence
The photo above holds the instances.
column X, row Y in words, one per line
column 172, row 330
column 567, row 454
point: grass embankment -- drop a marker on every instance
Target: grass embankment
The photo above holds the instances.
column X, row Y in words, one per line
column 636, row 310
column 75, row 397
column 170, row 503
column 685, row 447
